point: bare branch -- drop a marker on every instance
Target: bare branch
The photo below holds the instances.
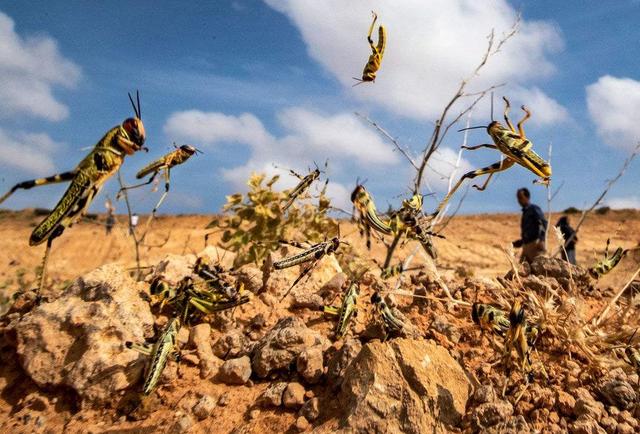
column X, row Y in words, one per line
column 610, row 184
column 131, row 228
column 386, row 134
column 438, row 134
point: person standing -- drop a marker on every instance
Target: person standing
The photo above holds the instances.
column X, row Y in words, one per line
column 533, row 228
column 570, row 239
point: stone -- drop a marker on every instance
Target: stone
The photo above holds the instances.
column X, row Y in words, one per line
column 232, row 344
column 200, row 337
column 586, row 425
column 403, row 385
column 272, row 396
column 311, row 409
column 293, row 396
column 72, row 340
column 565, row 403
column 490, row 414
column 235, row 371
column 302, row 424
column 619, row 393
column 341, row 359
column 310, row 364
column 204, row 407
column 282, row 345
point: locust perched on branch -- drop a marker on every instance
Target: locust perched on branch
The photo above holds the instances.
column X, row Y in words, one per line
column 163, row 164
column 86, row 180
column 367, row 213
column 373, row 65
column 515, row 147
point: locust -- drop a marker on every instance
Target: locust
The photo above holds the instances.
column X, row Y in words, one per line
column 166, row 347
column 608, row 263
column 368, row 214
column 390, row 322
column 407, row 220
column 311, row 254
column 517, row 338
column 163, row 164
column 490, row 318
column 396, row 270
column 514, row 146
column 347, row 311
column 633, row 354
column 86, row 179
column 375, row 59
column 303, row 185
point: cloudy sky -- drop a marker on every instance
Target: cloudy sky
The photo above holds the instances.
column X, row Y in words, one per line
column 256, row 84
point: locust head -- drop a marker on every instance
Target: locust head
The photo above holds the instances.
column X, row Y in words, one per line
column 135, row 130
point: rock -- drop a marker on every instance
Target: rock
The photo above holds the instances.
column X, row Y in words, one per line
column 200, row 337
column 341, row 360
column 204, row 407
column 173, row 268
column 223, row 401
column 536, row 284
column 232, row 344
column 618, row 393
column 484, row 394
column 334, row 284
column 72, row 340
column 561, row 270
column 586, row 425
column 403, row 385
column 441, row 325
column 310, row 364
column 491, row 413
column 311, row 409
column 253, row 414
column 608, row 423
column 183, row 337
column 302, row 424
column 251, row 277
column 183, row 424
column 218, row 255
column 307, row 300
column 565, row 403
column 293, row 396
column 625, row 428
column 281, row 346
column 235, row 371
column 272, row 396
column 587, row 406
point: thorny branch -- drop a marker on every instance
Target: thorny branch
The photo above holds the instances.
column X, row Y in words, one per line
column 610, row 184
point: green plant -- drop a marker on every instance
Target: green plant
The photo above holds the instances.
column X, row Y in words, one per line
column 255, row 222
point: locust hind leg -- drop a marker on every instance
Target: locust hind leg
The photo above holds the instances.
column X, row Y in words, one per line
column 484, row 145
column 45, row 261
column 167, row 185
column 26, row 185
column 507, row 106
column 373, row 23
column 306, row 271
column 527, row 115
column 131, row 187
column 495, row 167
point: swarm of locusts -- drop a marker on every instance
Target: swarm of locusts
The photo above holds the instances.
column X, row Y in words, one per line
column 210, row 288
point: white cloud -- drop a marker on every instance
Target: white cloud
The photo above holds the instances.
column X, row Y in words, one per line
column 628, row 202
column 544, row 109
column 307, row 136
column 442, row 164
column 29, row 68
column 613, row 106
column 28, row 152
column 431, row 46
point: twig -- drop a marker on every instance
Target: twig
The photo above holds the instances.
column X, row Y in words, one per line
column 615, row 298
column 384, row 132
column 546, row 233
column 132, row 231
column 626, row 164
column 438, row 135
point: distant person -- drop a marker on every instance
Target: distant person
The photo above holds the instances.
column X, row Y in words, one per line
column 570, row 239
column 134, row 223
column 533, row 228
column 111, row 221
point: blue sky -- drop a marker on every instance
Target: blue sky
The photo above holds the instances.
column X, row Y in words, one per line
column 260, row 83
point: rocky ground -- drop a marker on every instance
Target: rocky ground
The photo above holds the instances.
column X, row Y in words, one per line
column 276, row 366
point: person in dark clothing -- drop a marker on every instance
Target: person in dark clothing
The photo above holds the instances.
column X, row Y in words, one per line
column 533, row 228
column 570, row 239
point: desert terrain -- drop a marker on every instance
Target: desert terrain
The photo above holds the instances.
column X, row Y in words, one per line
column 363, row 383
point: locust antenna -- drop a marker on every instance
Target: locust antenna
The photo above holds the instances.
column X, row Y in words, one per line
column 135, row 109
column 472, row 128
column 139, row 108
